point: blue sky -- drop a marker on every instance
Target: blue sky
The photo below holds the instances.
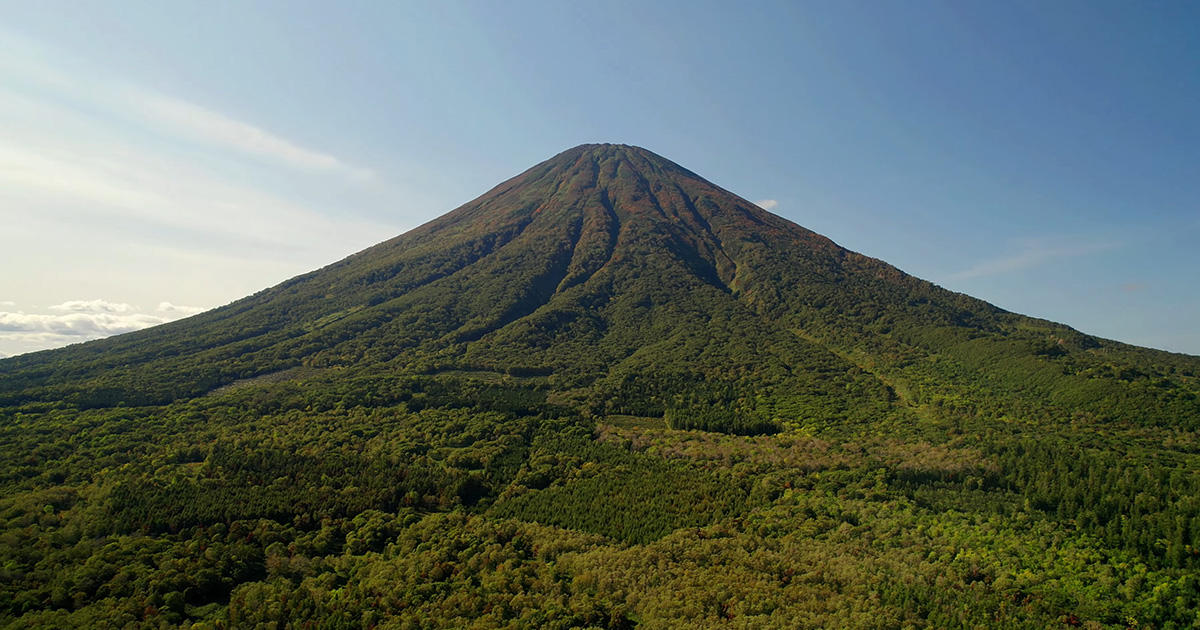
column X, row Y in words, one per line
column 160, row 158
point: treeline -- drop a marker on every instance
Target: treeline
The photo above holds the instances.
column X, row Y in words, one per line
column 240, row 484
column 627, row 496
column 686, row 402
column 721, row 419
column 1132, row 501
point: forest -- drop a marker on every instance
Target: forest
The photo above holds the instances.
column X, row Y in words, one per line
column 271, row 505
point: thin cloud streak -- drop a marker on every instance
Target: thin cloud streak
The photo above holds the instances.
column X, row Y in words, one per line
column 97, row 177
column 145, row 189
column 1034, row 253
column 26, row 64
column 766, row 204
column 192, row 121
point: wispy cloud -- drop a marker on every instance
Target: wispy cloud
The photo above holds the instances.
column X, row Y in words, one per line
column 189, row 120
column 1132, row 287
column 1034, row 252
column 766, row 204
column 57, row 161
column 30, row 65
column 117, row 182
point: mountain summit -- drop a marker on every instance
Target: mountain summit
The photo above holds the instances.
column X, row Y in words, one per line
column 632, row 284
column 605, row 394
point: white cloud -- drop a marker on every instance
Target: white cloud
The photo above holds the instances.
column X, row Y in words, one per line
column 183, row 311
column 766, row 204
column 1032, row 253
column 93, row 306
column 7, row 303
column 76, row 324
column 82, row 320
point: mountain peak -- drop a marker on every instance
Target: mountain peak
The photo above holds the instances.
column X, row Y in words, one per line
column 611, row 148
column 639, row 161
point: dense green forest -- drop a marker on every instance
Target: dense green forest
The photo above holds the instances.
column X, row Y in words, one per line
column 607, row 394
column 268, row 504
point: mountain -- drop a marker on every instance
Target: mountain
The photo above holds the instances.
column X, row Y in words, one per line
column 607, row 265
column 604, row 364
